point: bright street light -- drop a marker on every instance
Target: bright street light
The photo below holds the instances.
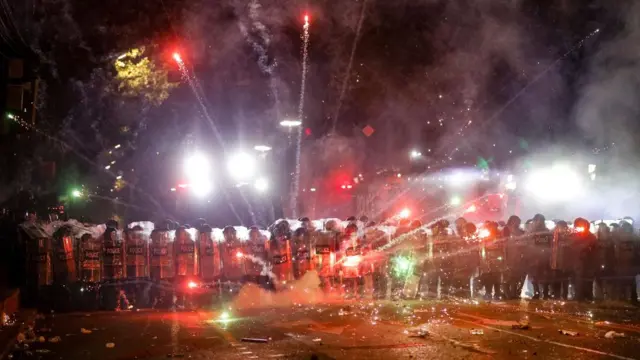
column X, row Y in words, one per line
column 555, row 184
column 290, row 123
column 414, row 154
column 262, row 148
column 241, row 166
column 261, row 185
column 196, row 167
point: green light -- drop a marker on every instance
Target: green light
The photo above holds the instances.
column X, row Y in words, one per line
column 76, row 193
column 455, row 201
column 225, row 316
column 10, row 116
column 402, row 266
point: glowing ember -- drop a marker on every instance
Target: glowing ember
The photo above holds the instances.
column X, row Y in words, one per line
column 192, row 285
column 177, row 57
column 405, row 213
column 239, row 254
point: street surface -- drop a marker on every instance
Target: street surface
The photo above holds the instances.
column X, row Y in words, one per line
column 347, row 330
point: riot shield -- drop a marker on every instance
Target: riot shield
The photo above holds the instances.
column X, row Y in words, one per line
column 64, row 265
column 161, row 257
column 137, row 253
column 210, row 261
column 39, row 249
column 185, row 253
column 113, row 255
column 90, row 258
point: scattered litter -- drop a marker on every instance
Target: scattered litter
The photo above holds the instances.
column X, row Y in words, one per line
column 568, row 333
column 55, row 339
column 110, row 345
column 317, row 340
column 85, row 331
column 522, row 325
column 417, row 332
column 612, row 334
column 175, row 355
column 476, row 332
column 255, row 340
column 43, row 351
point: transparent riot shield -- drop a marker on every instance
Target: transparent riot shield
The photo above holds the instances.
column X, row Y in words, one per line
column 90, row 259
column 209, row 250
column 161, row 254
column 185, row 253
column 64, row 265
column 137, row 253
column 113, row 255
column 255, row 251
column 39, row 265
column 303, row 252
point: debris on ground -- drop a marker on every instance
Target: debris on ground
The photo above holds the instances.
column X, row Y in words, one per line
column 85, row 331
column 612, row 334
column 55, row 339
column 110, row 345
column 255, row 340
column 418, row 332
column 568, row 333
column 521, row 325
column 476, row 332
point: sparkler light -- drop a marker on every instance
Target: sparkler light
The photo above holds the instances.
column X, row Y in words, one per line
column 402, row 266
column 306, row 19
column 176, row 56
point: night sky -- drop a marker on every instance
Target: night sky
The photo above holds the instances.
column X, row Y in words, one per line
column 450, row 78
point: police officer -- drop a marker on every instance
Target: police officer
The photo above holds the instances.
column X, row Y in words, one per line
column 493, row 254
column 558, row 262
column 516, row 271
column 605, row 258
column 583, row 248
column 541, row 240
column 627, row 258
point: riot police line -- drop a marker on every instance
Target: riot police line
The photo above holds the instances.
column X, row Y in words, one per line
column 154, row 265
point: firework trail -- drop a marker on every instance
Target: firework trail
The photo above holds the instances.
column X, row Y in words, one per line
column 197, row 91
column 303, row 81
column 577, row 46
column 261, row 50
column 345, row 81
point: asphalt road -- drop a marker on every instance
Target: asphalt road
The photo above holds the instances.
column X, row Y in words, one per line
column 344, row 330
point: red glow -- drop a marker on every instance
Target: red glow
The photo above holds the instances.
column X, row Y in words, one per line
column 472, row 208
column 344, row 186
column 177, row 57
column 307, row 132
column 484, row 233
column 306, row 18
column 192, row 285
column 183, row 186
column 239, row 254
column 349, row 186
column 404, row 213
column 580, row 229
